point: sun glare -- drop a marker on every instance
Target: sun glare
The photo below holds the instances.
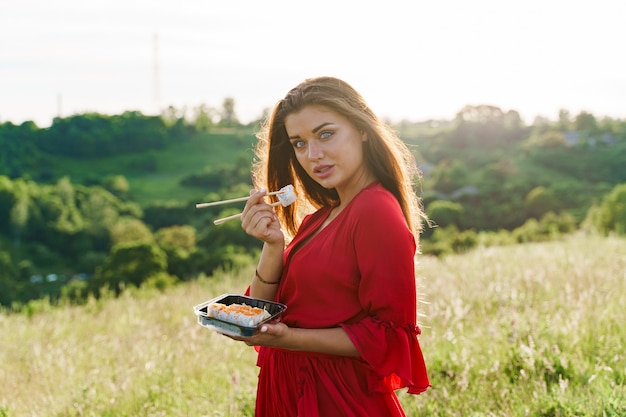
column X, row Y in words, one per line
column 411, row 61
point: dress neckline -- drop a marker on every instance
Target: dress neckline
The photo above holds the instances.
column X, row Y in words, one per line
column 316, row 228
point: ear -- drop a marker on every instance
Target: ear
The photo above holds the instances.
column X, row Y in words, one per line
column 363, row 137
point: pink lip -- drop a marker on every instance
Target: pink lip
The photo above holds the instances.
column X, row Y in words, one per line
column 323, row 171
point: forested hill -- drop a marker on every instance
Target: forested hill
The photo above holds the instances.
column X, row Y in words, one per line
column 82, row 199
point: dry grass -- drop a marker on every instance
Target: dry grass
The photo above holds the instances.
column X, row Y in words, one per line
column 141, row 354
column 526, row 330
column 529, row 330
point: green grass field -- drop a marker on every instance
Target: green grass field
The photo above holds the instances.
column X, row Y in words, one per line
column 527, row 330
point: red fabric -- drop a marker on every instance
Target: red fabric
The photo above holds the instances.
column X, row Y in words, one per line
column 357, row 273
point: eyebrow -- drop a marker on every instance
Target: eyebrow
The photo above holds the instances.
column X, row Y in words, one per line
column 315, row 130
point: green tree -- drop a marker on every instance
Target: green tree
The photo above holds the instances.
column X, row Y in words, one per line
column 611, row 215
column 486, row 126
column 7, row 279
column 179, row 243
column 7, row 200
column 130, row 264
column 19, row 155
column 548, row 139
column 565, row 121
column 100, row 213
column 117, row 185
column 228, row 114
column 177, row 236
column 19, row 219
column 447, row 240
column 445, row 213
column 203, row 118
column 97, row 135
column 130, row 230
column 586, row 122
column 70, row 218
column 540, row 201
column 448, row 176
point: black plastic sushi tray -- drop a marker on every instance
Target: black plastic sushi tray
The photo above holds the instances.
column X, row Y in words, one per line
column 232, row 329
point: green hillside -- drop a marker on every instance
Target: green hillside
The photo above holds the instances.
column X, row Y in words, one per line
column 80, row 200
column 154, row 176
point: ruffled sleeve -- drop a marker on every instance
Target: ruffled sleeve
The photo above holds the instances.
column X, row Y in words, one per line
column 393, row 353
column 387, row 336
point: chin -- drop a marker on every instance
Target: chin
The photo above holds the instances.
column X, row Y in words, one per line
column 328, row 184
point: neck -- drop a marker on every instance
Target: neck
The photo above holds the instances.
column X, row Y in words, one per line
column 346, row 194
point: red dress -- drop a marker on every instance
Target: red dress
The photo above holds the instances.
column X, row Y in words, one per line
column 358, row 273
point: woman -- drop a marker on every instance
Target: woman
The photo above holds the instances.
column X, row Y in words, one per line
column 348, row 338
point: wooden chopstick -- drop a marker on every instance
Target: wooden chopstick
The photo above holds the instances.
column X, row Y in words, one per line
column 238, row 215
column 232, row 200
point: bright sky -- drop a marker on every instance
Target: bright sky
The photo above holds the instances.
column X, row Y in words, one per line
column 412, row 60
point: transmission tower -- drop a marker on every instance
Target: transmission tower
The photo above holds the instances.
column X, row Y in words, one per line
column 155, row 74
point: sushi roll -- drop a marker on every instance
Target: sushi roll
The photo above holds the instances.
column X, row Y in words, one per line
column 218, row 311
column 249, row 316
column 240, row 314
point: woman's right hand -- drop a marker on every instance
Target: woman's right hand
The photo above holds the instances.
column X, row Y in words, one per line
column 259, row 220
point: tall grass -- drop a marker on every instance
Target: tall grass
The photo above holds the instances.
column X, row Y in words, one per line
column 528, row 330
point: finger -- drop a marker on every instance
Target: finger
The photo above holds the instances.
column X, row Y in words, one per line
column 256, row 197
column 259, row 216
column 253, row 220
column 262, row 221
column 269, row 329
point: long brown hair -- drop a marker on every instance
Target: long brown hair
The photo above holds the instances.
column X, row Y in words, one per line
column 387, row 156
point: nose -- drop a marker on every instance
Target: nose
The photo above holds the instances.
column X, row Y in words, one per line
column 315, row 150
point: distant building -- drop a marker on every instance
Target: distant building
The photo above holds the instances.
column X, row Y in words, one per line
column 576, row 138
column 572, row 138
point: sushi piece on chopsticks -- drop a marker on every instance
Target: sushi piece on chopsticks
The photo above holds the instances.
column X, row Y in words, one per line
column 288, row 189
column 285, row 199
column 286, row 196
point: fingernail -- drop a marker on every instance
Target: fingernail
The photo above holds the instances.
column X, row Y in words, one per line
column 263, row 329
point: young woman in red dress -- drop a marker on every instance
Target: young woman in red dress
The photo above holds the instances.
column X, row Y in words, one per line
column 342, row 258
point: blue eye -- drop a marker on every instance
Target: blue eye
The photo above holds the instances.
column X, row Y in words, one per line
column 325, row 135
column 298, row 143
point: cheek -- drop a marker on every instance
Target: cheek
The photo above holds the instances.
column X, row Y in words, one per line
column 358, row 155
column 301, row 160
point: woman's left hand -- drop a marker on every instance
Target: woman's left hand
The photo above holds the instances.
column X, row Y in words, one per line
column 269, row 334
column 334, row 340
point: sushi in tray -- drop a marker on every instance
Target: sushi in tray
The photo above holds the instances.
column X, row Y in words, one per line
column 237, row 315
